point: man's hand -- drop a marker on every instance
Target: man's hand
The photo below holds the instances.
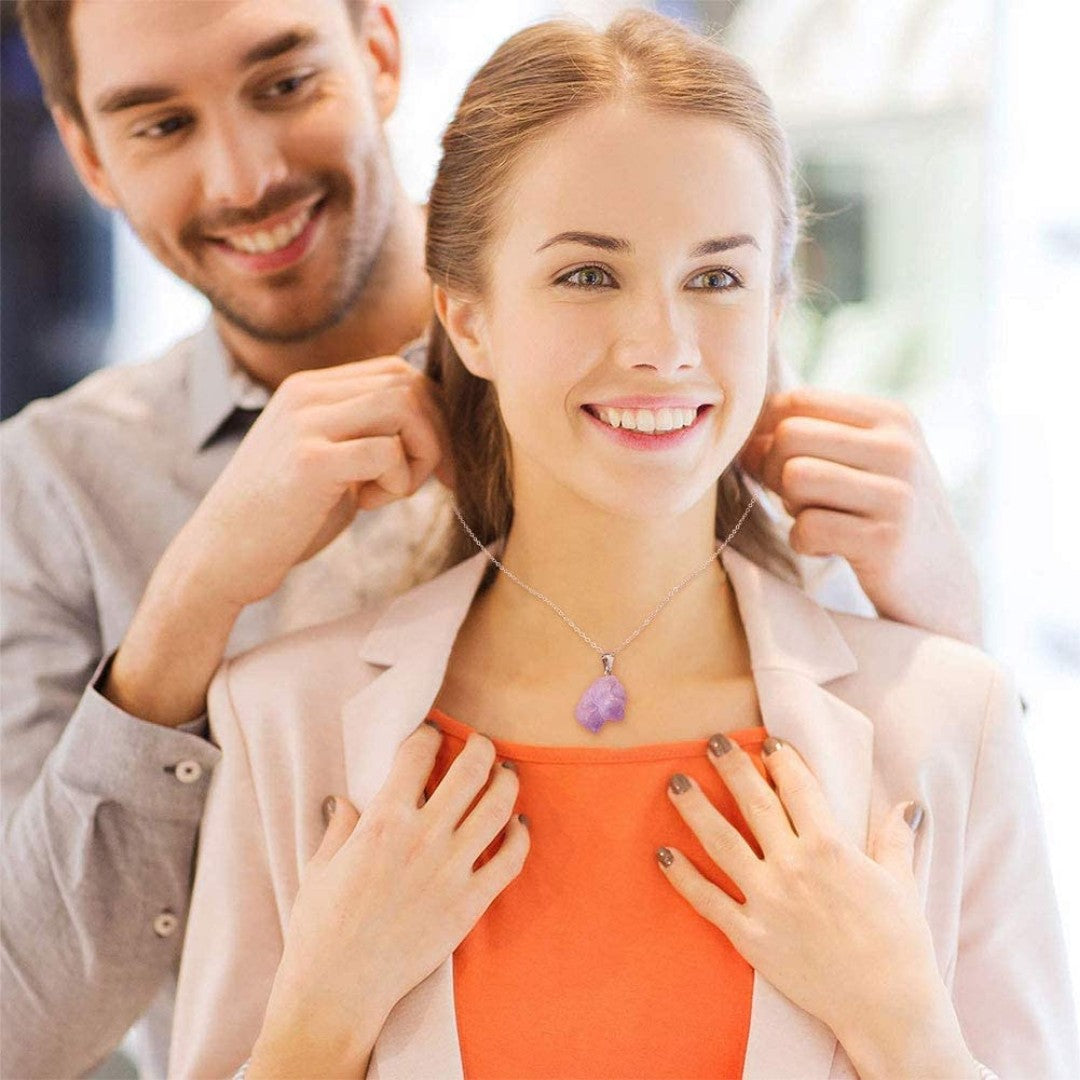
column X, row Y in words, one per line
column 330, row 443
column 856, row 475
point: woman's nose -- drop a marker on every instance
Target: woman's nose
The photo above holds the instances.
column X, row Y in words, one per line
column 654, row 336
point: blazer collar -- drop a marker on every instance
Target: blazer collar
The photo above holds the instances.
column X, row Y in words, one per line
column 795, row 649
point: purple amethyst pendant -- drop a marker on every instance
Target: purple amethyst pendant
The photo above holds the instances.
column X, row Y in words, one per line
column 604, row 701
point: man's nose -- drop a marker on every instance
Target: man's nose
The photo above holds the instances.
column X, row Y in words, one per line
column 659, row 336
column 241, row 164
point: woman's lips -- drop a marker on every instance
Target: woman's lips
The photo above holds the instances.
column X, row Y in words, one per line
column 637, row 440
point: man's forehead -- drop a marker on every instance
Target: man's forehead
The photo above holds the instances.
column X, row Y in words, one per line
column 129, row 43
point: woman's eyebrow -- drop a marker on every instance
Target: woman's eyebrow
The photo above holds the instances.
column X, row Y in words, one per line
column 613, row 243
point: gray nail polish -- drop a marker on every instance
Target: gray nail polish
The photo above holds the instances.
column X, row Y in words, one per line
column 913, row 815
column 770, row 745
column 524, row 820
column 510, row 765
column 329, row 805
column 431, row 723
column 679, row 783
column 719, row 745
column 664, row 857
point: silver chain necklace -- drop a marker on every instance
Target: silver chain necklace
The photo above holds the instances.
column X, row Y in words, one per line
column 605, row 699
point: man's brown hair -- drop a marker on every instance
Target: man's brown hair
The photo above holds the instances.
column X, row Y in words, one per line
column 46, row 26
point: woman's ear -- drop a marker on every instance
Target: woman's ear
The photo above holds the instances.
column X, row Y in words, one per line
column 463, row 321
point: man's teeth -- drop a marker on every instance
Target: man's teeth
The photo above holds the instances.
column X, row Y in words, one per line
column 266, row 240
column 649, row 421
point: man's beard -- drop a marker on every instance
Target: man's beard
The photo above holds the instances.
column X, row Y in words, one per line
column 356, row 257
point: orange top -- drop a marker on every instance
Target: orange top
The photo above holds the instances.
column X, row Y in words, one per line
column 590, row 964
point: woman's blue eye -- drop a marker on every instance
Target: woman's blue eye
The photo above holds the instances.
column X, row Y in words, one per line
column 715, row 281
column 587, row 277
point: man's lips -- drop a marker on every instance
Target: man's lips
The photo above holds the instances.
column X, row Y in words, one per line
column 294, row 244
column 265, row 225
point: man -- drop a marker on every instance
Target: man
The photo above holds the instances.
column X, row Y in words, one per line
column 272, row 471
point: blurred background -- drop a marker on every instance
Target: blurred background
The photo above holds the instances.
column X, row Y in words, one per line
column 939, row 152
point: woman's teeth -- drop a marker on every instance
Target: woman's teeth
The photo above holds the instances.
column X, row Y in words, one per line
column 266, row 240
column 648, row 421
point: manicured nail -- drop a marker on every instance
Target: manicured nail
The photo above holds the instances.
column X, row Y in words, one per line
column 524, row 820
column 510, row 765
column 770, row 745
column 719, row 745
column 664, row 857
column 431, row 723
column 913, row 815
column 678, row 783
column 329, row 805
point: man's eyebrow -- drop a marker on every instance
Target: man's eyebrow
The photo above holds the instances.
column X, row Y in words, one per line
column 129, row 97
column 294, row 38
column 612, row 243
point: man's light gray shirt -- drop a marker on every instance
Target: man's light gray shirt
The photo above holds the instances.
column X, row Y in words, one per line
column 100, row 809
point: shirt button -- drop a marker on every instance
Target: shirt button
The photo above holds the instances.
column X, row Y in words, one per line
column 187, row 772
column 165, row 924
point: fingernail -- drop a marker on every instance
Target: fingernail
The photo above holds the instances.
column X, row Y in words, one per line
column 431, row 723
column 524, row 820
column 510, row 765
column 678, row 783
column 913, row 815
column 770, row 745
column 329, row 805
column 719, row 745
column 664, row 856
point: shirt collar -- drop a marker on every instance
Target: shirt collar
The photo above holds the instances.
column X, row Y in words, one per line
column 219, row 386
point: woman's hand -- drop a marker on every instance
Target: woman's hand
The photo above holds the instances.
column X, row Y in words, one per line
column 841, row 934
column 384, row 901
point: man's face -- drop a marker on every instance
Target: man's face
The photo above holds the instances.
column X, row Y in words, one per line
column 243, row 140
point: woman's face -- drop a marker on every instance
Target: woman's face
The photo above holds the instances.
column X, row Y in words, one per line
column 627, row 319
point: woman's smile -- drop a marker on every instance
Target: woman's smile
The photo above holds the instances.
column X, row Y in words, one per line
column 648, row 429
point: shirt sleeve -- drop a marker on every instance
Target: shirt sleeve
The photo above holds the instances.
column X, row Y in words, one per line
column 234, row 940
column 1012, row 985
column 100, row 809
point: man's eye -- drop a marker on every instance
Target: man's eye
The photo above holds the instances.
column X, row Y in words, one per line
column 715, row 281
column 588, row 277
column 163, row 128
column 289, row 85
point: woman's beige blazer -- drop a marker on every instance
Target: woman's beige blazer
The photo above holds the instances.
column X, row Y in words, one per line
column 880, row 711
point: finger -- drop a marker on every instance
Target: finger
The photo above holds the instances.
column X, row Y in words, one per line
column 894, row 841
column 469, row 772
column 493, row 810
column 799, row 790
column 885, row 450
column 752, row 456
column 707, row 899
column 505, row 865
column 340, row 818
column 809, row 481
column 855, row 409
column 379, row 460
column 723, row 843
column 412, row 765
column 759, row 805
column 398, row 413
column 834, row 532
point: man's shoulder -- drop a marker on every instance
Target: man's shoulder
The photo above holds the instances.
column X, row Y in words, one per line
column 149, row 399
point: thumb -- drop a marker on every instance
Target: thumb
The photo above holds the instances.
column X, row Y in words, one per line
column 894, row 843
column 341, row 817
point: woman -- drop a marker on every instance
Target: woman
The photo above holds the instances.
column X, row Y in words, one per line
column 610, row 236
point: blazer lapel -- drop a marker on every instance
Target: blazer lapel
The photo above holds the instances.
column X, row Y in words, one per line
column 795, row 648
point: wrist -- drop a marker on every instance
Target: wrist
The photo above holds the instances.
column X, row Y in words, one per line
column 304, row 1050
column 918, row 1037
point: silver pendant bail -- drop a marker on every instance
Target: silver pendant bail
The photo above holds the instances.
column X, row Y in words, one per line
column 608, row 660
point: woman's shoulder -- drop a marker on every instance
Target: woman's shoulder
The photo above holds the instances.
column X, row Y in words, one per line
column 921, row 685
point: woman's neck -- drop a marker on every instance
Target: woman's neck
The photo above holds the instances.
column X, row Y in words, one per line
column 607, row 574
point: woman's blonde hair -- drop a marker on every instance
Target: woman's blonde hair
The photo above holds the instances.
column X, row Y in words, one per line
column 534, row 80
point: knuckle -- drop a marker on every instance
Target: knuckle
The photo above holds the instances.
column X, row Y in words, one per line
column 757, row 805
column 828, row 848
column 795, row 471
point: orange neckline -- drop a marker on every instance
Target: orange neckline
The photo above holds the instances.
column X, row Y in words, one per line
column 597, row 755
